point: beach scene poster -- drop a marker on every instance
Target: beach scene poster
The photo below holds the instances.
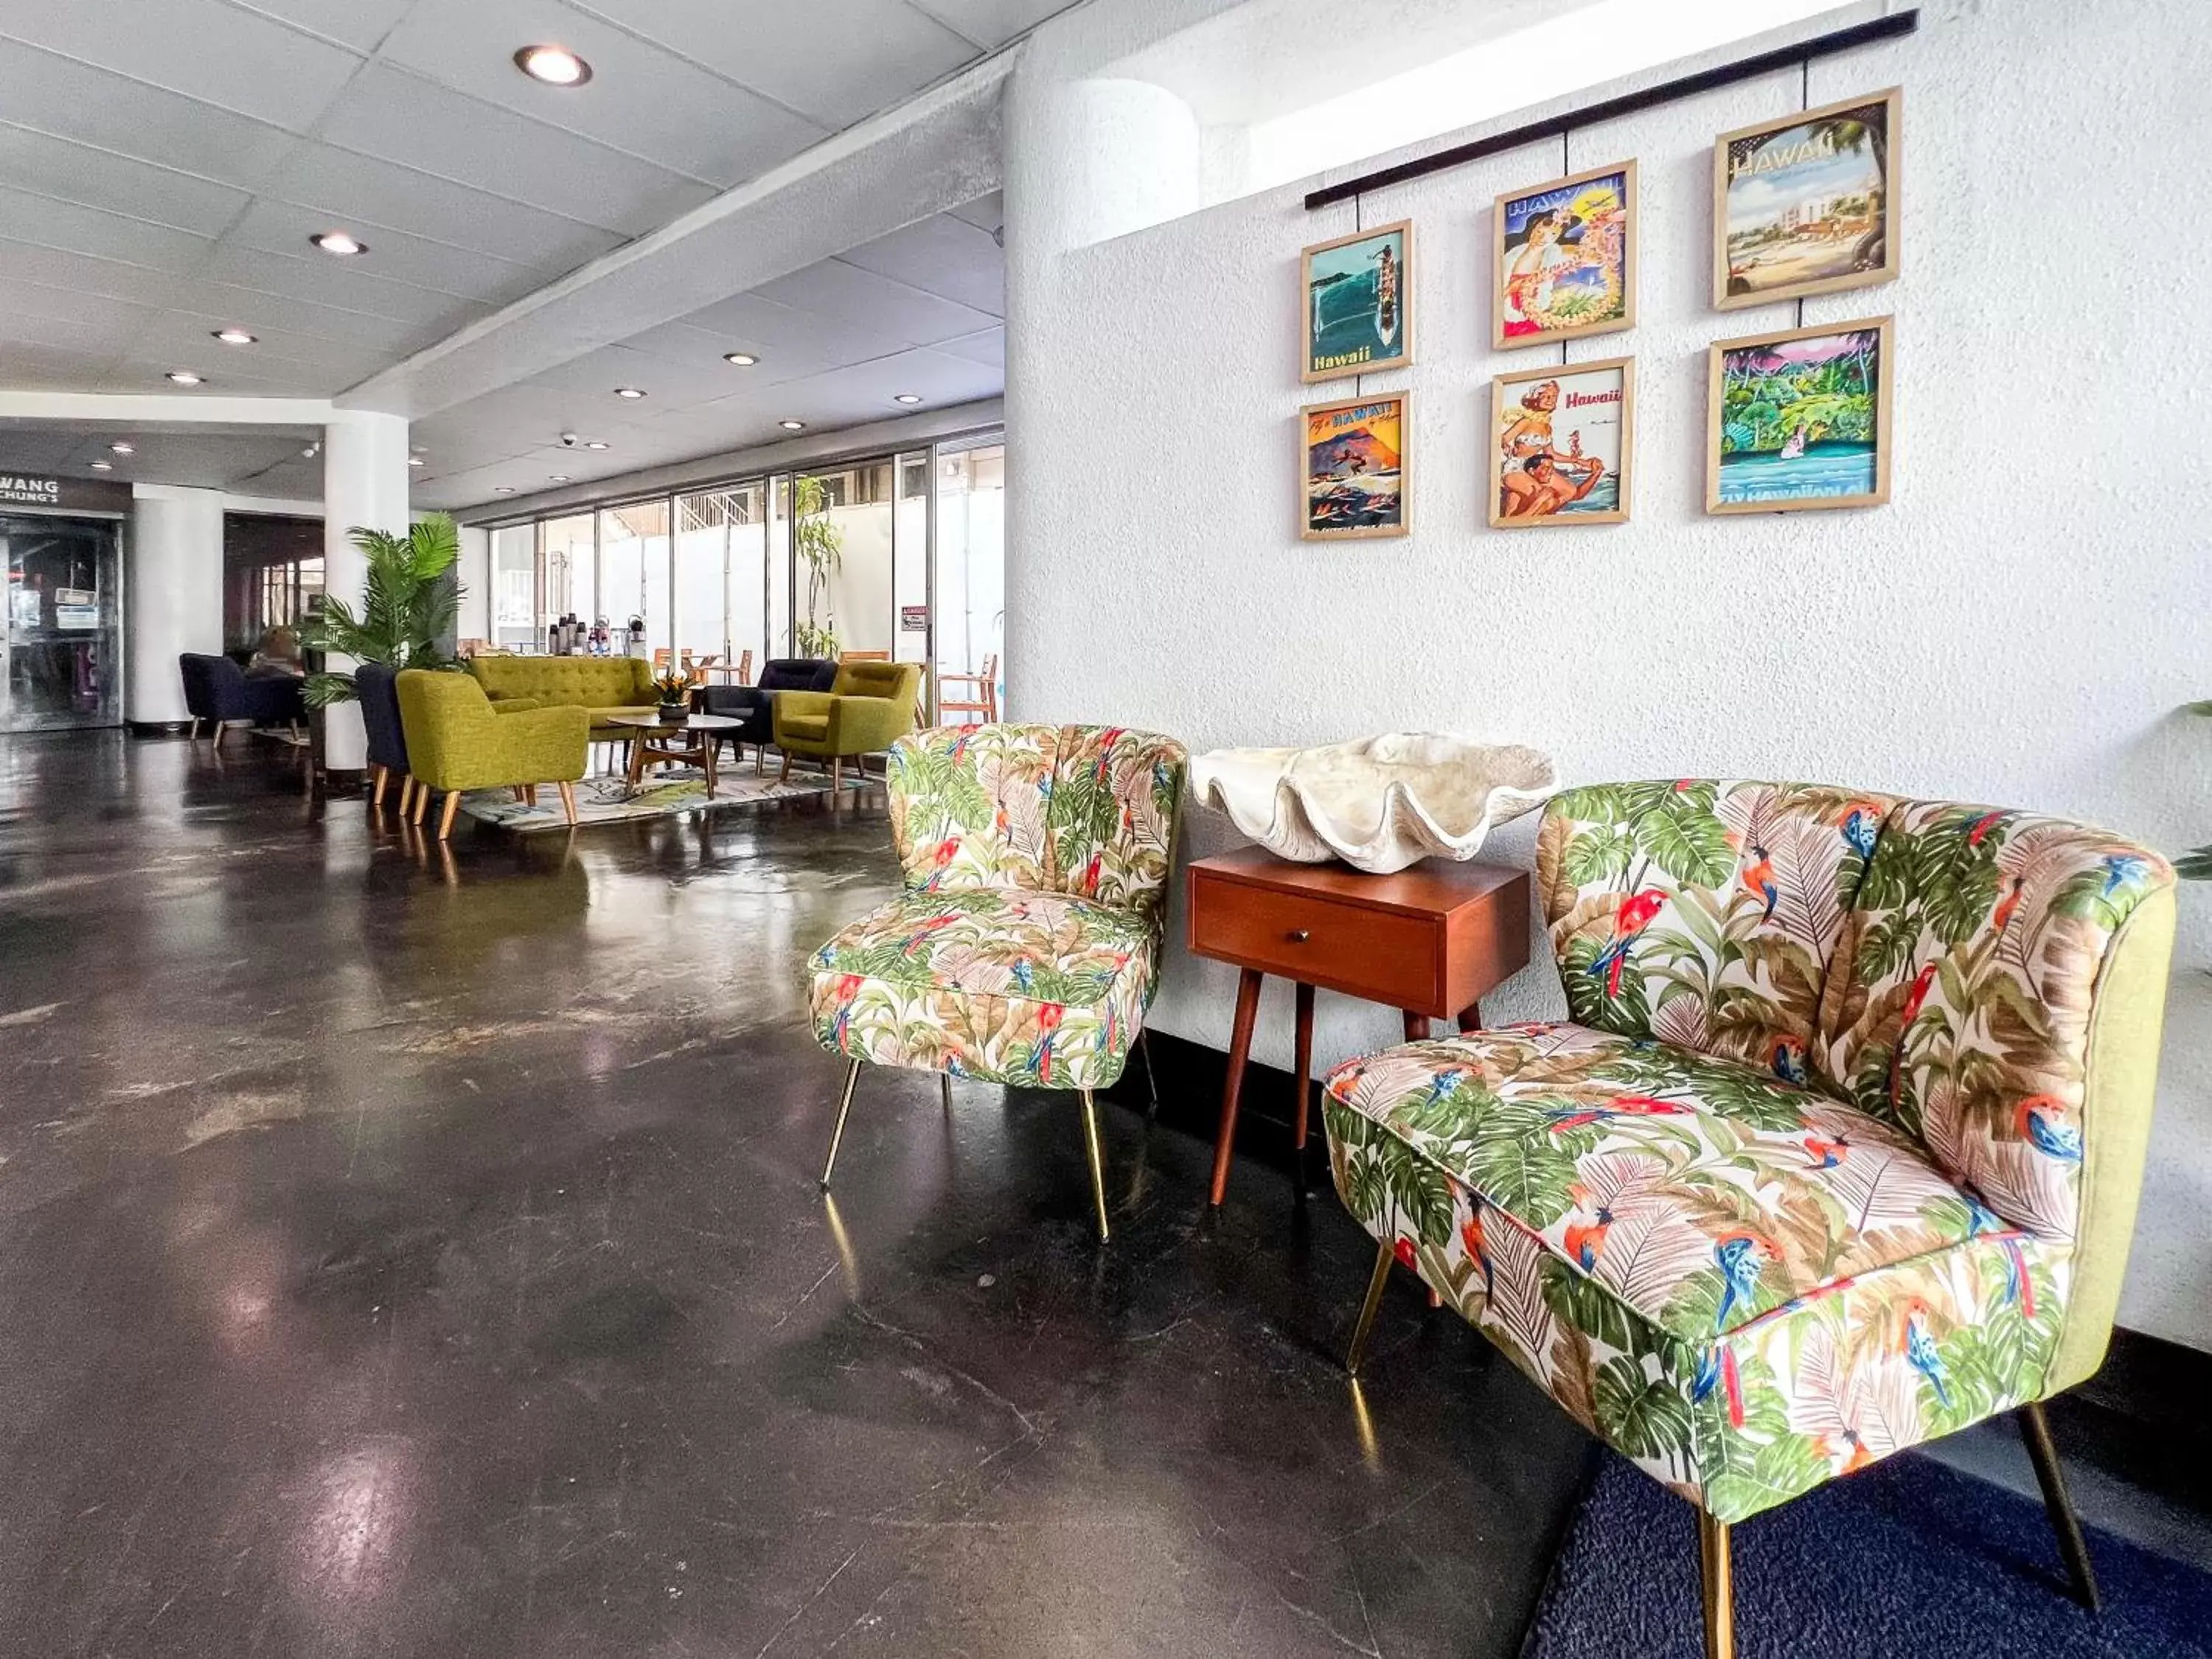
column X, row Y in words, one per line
column 1561, row 442
column 1566, row 257
column 1356, row 464
column 1358, row 311
column 1808, row 204
column 1800, row 420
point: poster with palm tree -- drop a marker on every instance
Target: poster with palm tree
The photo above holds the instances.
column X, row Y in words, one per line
column 1800, row 419
column 1808, row 203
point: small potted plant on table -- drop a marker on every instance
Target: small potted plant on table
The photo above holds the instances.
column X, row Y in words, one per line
column 674, row 686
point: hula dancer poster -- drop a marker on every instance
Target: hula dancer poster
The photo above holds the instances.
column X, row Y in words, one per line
column 1800, row 419
column 1566, row 258
column 1357, row 312
column 1808, row 204
column 1356, row 466
column 1561, row 439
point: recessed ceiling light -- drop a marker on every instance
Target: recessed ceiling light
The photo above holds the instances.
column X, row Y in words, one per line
column 792, row 426
column 103, row 467
column 557, row 66
column 338, row 242
column 502, row 490
column 234, row 336
column 184, row 377
column 124, row 449
column 312, row 450
column 907, row 397
column 628, row 392
column 415, row 461
column 742, row 358
column 557, row 477
column 597, row 443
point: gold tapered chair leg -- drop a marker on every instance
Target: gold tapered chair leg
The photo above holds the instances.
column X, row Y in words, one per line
column 421, row 802
column 837, row 1134
column 376, row 798
column 1717, row 1572
column 446, row 817
column 2035, row 1429
column 1377, row 1282
column 945, row 1088
column 1097, row 1164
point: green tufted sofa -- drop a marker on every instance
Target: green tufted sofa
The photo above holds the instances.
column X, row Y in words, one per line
column 604, row 686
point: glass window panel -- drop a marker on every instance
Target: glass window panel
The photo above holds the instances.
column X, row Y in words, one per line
column 844, row 537
column 571, row 572
column 971, row 564
column 910, row 562
column 516, row 621
column 780, row 627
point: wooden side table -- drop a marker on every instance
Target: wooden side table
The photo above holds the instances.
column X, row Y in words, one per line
column 1430, row 941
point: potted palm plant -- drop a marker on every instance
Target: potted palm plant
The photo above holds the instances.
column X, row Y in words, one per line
column 407, row 606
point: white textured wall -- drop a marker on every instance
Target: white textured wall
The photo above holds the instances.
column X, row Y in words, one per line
column 2017, row 628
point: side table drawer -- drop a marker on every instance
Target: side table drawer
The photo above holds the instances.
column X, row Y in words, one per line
column 1364, row 952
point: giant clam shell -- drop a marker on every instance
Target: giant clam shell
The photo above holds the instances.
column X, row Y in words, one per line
column 1379, row 804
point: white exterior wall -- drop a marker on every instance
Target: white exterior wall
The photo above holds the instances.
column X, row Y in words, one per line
column 2018, row 627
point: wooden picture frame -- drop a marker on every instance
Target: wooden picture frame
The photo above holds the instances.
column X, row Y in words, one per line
column 1522, row 428
column 1819, row 473
column 1522, row 309
column 1386, row 341
column 1809, row 204
column 1354, row 442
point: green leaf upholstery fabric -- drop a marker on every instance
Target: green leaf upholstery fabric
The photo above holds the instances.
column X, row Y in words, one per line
column 1800, row 1184
column 868, row 708
column 456, row 741
column 604, row 686
column 1026, row 945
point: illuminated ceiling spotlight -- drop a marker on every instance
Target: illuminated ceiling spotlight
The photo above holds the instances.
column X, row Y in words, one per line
column 557, row 66
column 741, row 359
column 905, row 398
column 103, row 467
column 630, row 392
column 234, row 336
column 502, row 490
column 120, row 448
column 339, row 242
column 792, row 426
column 184, row 377
column 597, row 443
column 557, row 477
column 416, row 461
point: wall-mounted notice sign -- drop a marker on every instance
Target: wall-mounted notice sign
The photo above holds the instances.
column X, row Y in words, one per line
column 914, row 619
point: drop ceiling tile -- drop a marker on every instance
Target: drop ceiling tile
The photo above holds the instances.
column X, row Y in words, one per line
column 339, row 182
column 56, row 368
column 360, row 24
column 321, row 280
column 54, row 224
column 36, row 299
column 281, row 228
column 991, row 23
column 268, row 377
column 940, row 255
column 47, row 166
column 846, row 292
column 104, row 339
column 836, row 61
column 786, row 338
column 399, row 117
column 188, row 337
column 985, row 212
column 989, row 348
column 666, row 384
column 234, row 60
column 641, row 99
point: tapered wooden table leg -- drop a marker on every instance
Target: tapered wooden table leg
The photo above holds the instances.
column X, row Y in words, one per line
column 1240, row 1049
column 1302, row 1065
column 1417, row 1026
column 1470, row 1017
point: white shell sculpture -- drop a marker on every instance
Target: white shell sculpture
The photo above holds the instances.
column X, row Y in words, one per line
column 1379, row 804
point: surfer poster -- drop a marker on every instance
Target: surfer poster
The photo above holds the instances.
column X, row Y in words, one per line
column 1358, row 314
column 1561, row 438
column 1356, row 464
column 1800, row 419
column 1565, row 258
column 1808, row 204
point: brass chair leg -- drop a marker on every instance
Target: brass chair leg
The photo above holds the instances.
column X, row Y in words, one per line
column 945, row 1088
column 1356, row 1354
column 837, row 1134
column 1717, row 1575
column 1151, row 1075
column 1098, row 1165
column 2035, row 1429
column 195, row 734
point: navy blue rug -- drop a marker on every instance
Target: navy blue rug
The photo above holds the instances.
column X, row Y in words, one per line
column 1907, row 1560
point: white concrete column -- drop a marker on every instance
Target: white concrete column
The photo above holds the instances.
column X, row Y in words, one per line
column 173, row 601
column 364, row 484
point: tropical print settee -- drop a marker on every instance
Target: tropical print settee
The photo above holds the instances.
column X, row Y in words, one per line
column 1838, row 1150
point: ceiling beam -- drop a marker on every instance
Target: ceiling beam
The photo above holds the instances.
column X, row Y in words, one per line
column 147, row 409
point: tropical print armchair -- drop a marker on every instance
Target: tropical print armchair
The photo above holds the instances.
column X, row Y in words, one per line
column 1838, row 1150
column 1025, row 946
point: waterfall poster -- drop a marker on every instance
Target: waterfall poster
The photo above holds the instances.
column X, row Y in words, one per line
column 1356, row 466
column 1808, row 204
column 1565, row 258
column 1561, row 442
column 1800, row 419
column 1359, row 315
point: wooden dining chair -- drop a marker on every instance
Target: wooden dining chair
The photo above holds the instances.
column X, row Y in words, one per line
column 984, row 700
column 864, row 656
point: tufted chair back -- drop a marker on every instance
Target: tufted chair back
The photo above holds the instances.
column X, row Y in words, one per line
column 1083, row 810
column 894, row 681
column 582, row 682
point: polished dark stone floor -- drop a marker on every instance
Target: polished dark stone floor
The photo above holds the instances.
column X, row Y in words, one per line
column 406, row 1255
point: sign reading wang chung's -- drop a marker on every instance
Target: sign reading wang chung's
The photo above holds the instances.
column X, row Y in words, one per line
column 69, row 494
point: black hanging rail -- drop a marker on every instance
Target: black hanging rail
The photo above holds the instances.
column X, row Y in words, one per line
column 1720, row 75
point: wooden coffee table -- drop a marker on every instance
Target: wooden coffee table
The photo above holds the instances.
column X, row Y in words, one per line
column 690, row 741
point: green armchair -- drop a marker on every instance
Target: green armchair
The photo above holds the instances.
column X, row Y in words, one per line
column 868, row 708
column 456, row 741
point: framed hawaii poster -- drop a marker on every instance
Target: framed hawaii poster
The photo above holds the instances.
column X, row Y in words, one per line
column 1356, row 464
column 1562, row 440
column 1359, row 315
column 1808, row 204
column 1800, row 419
column 1565, row 258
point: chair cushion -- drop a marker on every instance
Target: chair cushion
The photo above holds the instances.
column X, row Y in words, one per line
column 1007, row 985
column 815, row 727
column 1744, row 1284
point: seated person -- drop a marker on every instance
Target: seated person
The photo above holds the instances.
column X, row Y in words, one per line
column 278, row 657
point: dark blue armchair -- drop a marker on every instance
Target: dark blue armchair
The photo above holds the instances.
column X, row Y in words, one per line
column 756, row 704
column 378, row 687
column 216, row 690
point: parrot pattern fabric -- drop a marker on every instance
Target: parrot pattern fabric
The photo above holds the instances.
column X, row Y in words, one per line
column 1025, row 947
column 1794, row 1188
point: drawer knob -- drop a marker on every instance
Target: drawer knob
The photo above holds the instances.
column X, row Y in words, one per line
column 1299, row 936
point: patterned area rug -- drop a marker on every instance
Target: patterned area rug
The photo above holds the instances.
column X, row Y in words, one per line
column 608, row 801
column 1907, row 1558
